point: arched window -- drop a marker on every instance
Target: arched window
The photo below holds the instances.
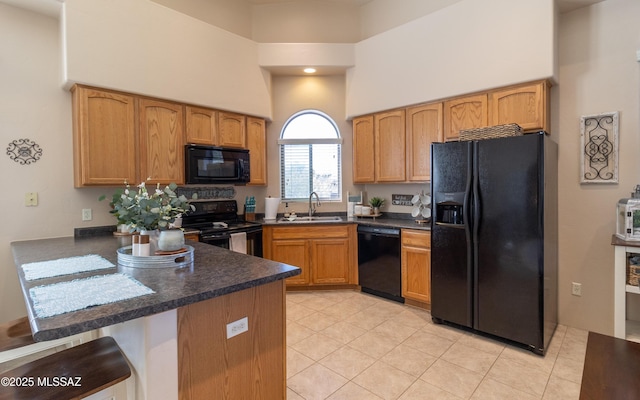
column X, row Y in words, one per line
column 310, row 157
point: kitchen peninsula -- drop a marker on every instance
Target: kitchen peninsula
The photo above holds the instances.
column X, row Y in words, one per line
column 176, row 339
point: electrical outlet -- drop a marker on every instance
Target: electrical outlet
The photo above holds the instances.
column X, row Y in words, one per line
column 87, row 215
column 576, row 289
column 31, row 199
column 237, row 327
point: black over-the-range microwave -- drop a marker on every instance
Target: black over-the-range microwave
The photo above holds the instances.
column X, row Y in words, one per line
column 211, row 165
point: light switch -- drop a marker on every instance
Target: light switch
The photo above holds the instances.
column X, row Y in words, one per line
column 87, row 215
column 31, row 199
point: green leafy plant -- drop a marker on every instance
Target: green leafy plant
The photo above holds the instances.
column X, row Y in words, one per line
column 376, row 202
column 144, row 210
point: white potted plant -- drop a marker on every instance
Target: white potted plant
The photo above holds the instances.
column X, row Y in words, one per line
column 145, row 211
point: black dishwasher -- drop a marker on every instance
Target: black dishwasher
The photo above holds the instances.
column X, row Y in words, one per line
column 379, row 269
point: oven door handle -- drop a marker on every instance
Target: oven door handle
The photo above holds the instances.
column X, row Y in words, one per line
column 216, row 236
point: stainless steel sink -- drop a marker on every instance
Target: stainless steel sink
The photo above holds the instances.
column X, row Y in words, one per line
column 300, row 220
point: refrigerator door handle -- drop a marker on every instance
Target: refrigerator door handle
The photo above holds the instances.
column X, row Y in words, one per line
column 476, row 228
column 467, row 219
column 457, row 226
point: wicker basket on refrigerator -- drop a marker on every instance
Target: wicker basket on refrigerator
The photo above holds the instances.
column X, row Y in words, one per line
column 491, row 132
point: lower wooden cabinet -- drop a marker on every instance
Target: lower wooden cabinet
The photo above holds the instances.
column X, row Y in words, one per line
column 416, row 265
column 327, row 254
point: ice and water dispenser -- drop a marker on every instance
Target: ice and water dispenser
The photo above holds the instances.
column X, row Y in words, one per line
column 450, row 209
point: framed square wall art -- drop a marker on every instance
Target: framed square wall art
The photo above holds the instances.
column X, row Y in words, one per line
column 599, row 148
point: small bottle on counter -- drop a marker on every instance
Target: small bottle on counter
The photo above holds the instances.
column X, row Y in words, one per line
column 135, row 245
column 144, row 248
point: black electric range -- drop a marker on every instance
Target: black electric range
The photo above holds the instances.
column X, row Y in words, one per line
column 217, row 220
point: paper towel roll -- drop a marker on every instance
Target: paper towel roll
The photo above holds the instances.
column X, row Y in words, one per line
column 271, row 207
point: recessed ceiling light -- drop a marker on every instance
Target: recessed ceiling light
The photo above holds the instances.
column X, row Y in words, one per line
column 309, row 70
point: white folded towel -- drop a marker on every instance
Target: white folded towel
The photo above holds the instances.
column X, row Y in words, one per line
column 238, row 242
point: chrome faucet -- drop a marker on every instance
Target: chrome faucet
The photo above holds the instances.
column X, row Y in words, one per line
column 312, row 209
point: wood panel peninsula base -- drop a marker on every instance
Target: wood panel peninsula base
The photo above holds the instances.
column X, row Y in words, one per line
column 185, row 353
column 250, row 365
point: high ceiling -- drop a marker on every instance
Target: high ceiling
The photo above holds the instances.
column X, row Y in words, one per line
column 52, row 7
column 564, row 5
column 352, row 2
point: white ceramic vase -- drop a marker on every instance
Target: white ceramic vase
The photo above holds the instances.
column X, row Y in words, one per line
column 171, row 240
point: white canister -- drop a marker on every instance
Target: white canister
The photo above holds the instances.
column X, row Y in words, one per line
column 357, row 209
column 366, row 210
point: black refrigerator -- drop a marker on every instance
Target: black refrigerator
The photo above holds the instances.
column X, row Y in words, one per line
column 494, row 237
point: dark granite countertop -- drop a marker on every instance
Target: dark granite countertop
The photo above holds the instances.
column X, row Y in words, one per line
column 214, row 272
column 393, row 221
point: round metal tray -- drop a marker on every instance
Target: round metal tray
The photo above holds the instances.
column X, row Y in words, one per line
column 164, row 261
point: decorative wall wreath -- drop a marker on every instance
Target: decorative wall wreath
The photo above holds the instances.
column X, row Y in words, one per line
column 24, row 151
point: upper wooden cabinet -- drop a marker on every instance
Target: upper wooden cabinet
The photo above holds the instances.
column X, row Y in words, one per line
column 394, row 146
column 162, row 141
column 201, row 125
column 424, row 126
column 120, row 137
column 525, row 105
column 103, row 137
column 465, row 113
column 257, row 145
column 363, row 150
column 231, row 130
column 389, row 128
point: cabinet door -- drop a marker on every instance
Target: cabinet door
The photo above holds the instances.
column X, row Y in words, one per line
column 201, row 125
column 424, row 126
column 416, row 265
column 525, row 105
column 330, row 261
column 231, row 130
column 363, row 150
column 293, row 252
column 103, row 137
column 390, row 144
column 465, row 113
column 161, row 141
column 257, row 145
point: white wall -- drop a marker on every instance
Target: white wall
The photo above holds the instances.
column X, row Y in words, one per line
column 379, row 16
column 598, row 72
column 142, row 47
column 470, row 46
column 292, row 94
column 231, row 15
column 34, row 106
column 308, row 21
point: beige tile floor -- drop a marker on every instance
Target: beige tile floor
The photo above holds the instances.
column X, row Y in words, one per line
column 349, row 345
